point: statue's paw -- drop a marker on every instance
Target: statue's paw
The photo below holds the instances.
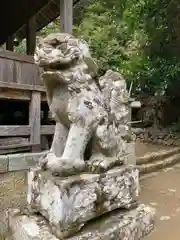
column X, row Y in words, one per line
column 100, row 164
column 96, row 165
column 64, row 167
column 42, row 163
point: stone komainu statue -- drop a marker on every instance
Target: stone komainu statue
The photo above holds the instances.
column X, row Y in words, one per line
column 92, row 131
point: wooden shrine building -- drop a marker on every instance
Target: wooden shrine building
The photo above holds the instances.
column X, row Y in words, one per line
column 20, row 83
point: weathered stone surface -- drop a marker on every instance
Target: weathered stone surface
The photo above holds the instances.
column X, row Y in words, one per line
column 68, row 203
column 131, row 156
column 28, row 227
column 4, row 163
column 155, row 166
column 157, row 156
column 90, row 113
column 118, row 225
column 23, row 161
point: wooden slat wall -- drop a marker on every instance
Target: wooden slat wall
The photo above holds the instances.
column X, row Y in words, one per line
column 10, row 131
column 18, row 68
column 20, row 80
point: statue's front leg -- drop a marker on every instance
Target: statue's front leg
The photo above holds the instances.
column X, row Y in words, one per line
column 59, row 140
column 84, row 117
column 72, row 160
column 57, row 147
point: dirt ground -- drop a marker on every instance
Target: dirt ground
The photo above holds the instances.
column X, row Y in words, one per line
column 12, row 195
column 162, row 191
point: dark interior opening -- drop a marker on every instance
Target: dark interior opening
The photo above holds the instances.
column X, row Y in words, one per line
column 14, row 112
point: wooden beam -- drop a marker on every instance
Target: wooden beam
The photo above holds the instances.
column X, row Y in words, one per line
column 17, row 131
column 35, row 120
column 15, row 148
column 15, row 94
column 31, row 36
column 66, row 16
column 20, row 86
column 16, row 56
column 6, row 131
column 19, row 94
column 10, row 43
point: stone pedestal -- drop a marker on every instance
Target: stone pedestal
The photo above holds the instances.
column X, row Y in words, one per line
column 82, row 207
column 68, row 203
column 117, row 225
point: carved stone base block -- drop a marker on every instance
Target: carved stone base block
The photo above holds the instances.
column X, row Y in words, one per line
column 117, row 225
column 68, row 203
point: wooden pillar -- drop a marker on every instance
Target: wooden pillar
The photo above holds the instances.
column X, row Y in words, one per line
column 10, row 43
column 66, row 16
column 35, row 121
column 35, row 103
column 31, row 36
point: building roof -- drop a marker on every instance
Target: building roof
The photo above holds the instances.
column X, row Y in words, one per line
column 15, row 15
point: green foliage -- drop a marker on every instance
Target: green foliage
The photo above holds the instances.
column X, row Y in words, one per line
column 137, row 38
column 113, row 43
column 52, row 27
column 21, row 48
